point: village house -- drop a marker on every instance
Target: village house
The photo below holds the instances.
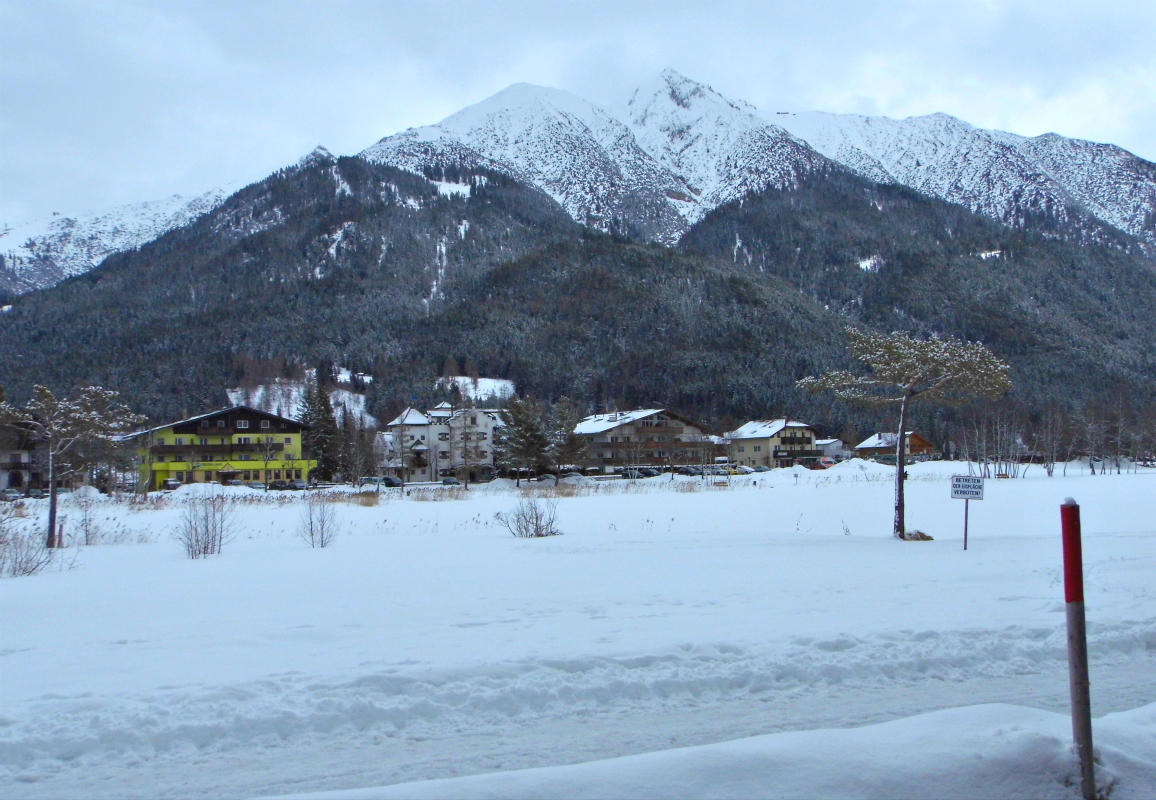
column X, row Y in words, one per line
column 443, row 442
column 773, row 443
column 238, row 443
column 834, row 449
column 883, row 445
column 17, row 469
column 653, row 437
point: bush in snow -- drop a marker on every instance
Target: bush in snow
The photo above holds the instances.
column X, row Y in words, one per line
column 22, row 552
column 319, row 520
column 532, row 519
column 206, row 524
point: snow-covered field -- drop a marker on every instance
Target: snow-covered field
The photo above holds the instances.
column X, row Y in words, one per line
column 763, row 638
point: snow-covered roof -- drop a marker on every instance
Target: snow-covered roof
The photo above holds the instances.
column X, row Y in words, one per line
column 764, row 428
column 879, row 440
column 600, row 423
column 827, row 442
column 411, row 416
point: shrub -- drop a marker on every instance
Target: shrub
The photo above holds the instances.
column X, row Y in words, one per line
column 206, row 525
column 22, row 552
column 319, row 520
column 532, row 519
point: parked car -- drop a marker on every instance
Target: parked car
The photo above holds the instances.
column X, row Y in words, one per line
column 170, row 483
column 451, row 482
column 388, row 481
column 298, row 485
column 233, row 482
column 9, row 495
column 35, row 494
column 278, row 485
column 256, row 485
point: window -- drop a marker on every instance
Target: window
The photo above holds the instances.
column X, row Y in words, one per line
column 444, row 454
column 203, row 440
column 758, row 448
column 220, row 423
column 443, row 437
column 244, row 440
column 742, row 449
column 159, row 458
column 178, row 441
column 242, row 424
column 264, row 424
column 288, row 440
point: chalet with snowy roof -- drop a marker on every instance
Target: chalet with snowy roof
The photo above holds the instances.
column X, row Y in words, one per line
column 644, row 437
column 773, row 443
column 442, row 442
column 884, row 444
column 234, row 444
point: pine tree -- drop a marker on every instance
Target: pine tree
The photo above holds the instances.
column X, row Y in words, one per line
column 566, row 446
column 905, row 369
column 322, row 439
column 523, row 443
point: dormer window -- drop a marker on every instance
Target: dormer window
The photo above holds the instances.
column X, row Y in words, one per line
column 242, row 424
column 264, row 424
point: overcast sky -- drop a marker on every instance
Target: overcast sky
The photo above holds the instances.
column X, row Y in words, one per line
column 113, row 101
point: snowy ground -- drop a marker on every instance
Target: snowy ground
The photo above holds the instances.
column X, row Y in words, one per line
column 427, row 643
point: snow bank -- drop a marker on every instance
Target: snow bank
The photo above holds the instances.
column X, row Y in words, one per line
column 992, row 751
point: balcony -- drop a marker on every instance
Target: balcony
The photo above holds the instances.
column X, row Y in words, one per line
column 256, row 449
column 13, row 465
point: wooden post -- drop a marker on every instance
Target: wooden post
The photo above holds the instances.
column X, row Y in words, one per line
column 1078, row 681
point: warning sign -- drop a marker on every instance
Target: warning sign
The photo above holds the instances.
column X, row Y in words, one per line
column 966, row 487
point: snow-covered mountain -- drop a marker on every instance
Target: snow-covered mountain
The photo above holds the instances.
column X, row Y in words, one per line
column 998, row 174
column 674, row 153
column 44, row 252
column 719, row 148
column 679, row 149
column 575, row 151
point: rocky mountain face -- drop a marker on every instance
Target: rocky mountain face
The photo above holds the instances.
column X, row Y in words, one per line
column 43, row 253
column 1013, row 179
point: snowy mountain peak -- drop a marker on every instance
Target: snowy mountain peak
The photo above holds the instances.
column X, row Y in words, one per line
column 318, row 155
column 721, row 148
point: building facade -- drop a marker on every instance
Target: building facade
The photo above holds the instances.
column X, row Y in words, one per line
column 773, row 443
column 654, row 437
column 17, row 468
column 442, row 442
column 238, row 443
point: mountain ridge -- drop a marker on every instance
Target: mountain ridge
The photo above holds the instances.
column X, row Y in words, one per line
column 676, row 151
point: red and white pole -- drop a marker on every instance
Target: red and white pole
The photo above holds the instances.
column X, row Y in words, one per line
column 1078, row 681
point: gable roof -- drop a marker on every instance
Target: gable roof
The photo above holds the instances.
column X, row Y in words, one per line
column 219, row 412
column 411, row 416
column 764, row 428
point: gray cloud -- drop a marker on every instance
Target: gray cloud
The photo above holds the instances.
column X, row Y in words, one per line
column 110, row 103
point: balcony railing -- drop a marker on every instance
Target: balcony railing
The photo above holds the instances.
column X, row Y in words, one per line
column 256, row 449
column 12, row 465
